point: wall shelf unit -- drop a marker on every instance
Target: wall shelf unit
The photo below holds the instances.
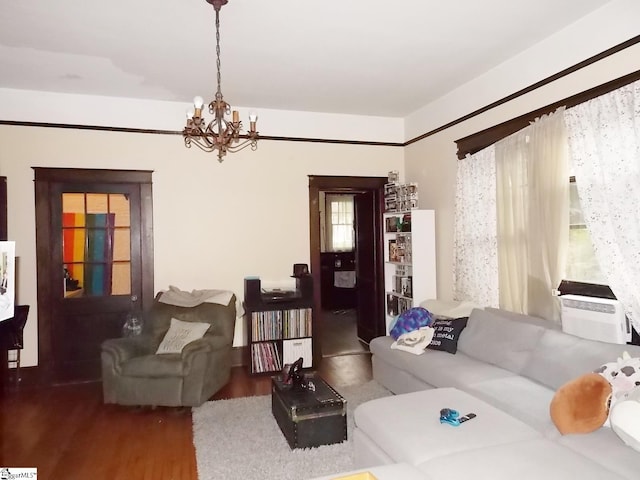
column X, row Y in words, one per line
column 410, row 260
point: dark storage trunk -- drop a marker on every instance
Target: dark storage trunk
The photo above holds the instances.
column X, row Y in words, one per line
column 309, row 418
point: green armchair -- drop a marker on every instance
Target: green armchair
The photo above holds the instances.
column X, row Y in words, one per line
column 133, row 374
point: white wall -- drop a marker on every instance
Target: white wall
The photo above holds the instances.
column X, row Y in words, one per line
column 432, row 161
column 47, row 107
column 214, row 223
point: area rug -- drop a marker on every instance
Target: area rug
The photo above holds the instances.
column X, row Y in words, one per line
column 239, row 439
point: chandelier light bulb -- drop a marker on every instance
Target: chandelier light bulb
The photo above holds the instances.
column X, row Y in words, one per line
column 190, row 112
column 253, row 117
column 198, row 102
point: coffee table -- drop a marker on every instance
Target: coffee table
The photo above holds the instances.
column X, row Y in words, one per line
column 309, row 418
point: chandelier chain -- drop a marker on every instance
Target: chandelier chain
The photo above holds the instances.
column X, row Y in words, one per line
column 219, row 93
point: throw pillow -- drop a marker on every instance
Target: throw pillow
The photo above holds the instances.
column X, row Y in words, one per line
column 411, row 320
column 446, row 333
column 180, row 334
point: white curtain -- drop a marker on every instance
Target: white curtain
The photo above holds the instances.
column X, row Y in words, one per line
column 604, row 139
column 475, row 269
column 532, row 180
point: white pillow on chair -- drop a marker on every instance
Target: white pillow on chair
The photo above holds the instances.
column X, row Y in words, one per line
column 180, row 334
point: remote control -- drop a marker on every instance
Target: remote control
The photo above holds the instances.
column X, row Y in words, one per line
column 468, row 416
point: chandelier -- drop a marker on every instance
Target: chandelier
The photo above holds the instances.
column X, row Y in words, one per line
column 219, row 134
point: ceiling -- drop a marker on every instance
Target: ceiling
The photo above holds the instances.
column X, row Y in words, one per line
column 366, row 57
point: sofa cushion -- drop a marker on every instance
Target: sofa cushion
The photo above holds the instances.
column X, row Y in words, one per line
column 439, row 369
column 447, row 333
column 168, row 365
column 449, row 308
column 559, row 357
column 497, row 340
column 524, row 318
column 520, row 397
column 525, row 460
column 407, row 427
column 604, row 447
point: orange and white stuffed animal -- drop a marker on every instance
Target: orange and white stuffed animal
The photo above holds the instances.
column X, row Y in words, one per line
column 582, row 404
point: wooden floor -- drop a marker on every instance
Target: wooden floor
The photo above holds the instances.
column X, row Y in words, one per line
column 69, row 434
column 340, row 333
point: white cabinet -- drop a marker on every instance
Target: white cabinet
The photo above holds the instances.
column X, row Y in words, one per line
column 410, row 260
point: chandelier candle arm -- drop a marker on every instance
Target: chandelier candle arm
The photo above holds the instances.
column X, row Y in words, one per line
column 219, row 134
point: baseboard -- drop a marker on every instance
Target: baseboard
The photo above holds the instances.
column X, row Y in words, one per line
column 29, row 377
column 239, row 356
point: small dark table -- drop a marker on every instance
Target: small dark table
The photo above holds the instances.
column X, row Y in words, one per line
column 309, row 418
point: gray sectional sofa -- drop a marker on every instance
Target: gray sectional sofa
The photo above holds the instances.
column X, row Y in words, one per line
column 507, row 369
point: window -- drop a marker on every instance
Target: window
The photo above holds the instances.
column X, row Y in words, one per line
column 582, row 265
column 340, row 233
column 96, row 244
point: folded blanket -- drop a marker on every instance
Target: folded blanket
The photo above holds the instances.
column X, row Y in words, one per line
column 181, row 298
column 415, row 341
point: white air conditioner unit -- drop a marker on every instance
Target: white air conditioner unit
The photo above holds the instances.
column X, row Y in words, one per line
column 595, row 318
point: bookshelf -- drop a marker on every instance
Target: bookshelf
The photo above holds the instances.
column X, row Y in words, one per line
column 410, row 260
column 279, row 330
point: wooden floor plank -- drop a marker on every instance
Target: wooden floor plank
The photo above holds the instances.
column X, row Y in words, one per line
column 69, row 434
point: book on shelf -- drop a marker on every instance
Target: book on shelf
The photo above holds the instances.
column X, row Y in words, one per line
column 265, row 357
column 406, row 286
column 393, row 250
column 392, row 304
column 404, row 304
column 391, row 224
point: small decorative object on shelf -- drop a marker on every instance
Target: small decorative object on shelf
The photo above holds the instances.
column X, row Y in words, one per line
column 132, row 326
column 400, row 197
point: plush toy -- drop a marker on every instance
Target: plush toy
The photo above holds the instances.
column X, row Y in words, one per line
column 582, row 404
column 625, row 419
column 623, row 375
column 410, row 320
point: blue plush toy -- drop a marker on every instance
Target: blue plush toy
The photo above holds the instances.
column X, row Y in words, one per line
column 411, row 320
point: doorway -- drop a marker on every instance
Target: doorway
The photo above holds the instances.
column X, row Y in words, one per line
column 350, row 317
column 94, row 247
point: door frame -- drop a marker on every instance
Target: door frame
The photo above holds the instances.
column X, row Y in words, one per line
column 45, row 179
column 344, row 184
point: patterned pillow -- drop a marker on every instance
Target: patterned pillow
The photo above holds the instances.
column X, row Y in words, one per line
column 411, row 320
column 180, row 334
column 447, row 332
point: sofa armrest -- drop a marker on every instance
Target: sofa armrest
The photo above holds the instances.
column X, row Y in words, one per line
column 122, row 349
column 206, row 345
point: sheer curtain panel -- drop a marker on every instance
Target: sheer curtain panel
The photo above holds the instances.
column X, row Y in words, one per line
column 475, row 269
column 604, row 140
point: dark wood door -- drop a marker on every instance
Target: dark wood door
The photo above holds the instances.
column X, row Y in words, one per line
column 94, row 264
column 366, row 272
column 371, row 316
